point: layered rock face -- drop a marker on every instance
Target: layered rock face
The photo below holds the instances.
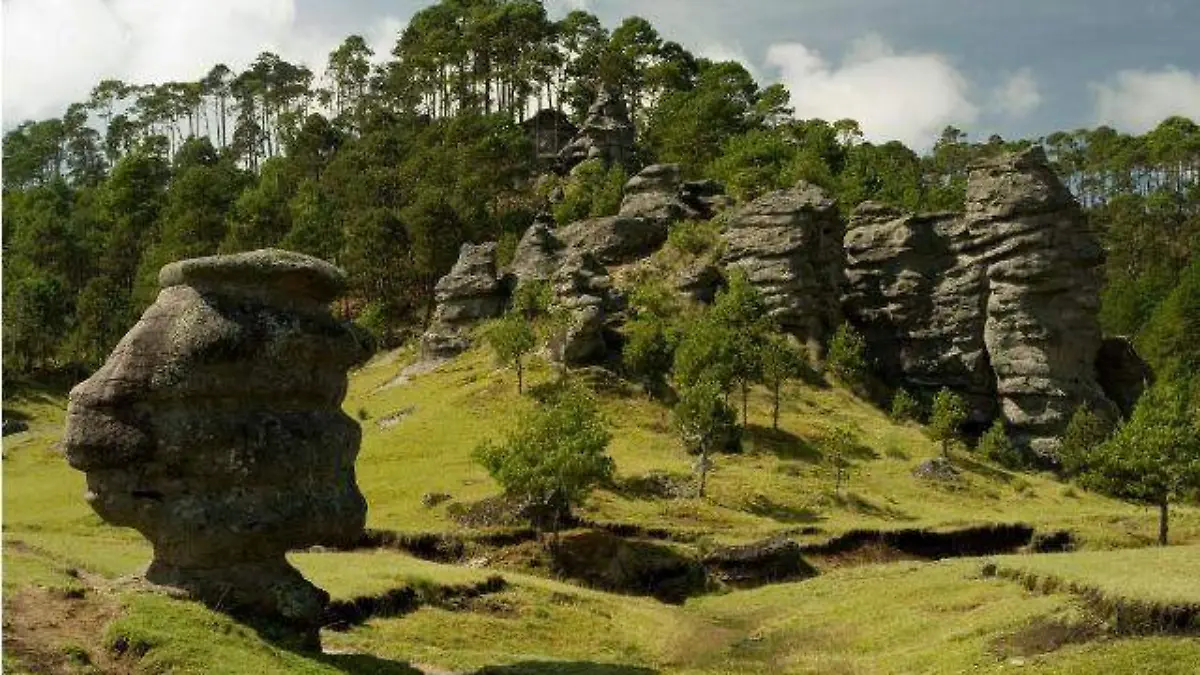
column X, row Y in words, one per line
column 471, row 292
column 215, row 429
column 607, row 133
column 999, row 303
column 789, row 243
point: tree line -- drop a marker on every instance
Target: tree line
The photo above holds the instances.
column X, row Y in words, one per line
column 387, row 165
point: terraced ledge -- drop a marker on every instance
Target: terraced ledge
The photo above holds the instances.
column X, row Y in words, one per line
column 1125, row 615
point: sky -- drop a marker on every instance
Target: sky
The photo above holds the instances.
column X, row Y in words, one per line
column 905, row 69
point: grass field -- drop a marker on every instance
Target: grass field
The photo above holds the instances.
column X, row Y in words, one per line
column 69, row 608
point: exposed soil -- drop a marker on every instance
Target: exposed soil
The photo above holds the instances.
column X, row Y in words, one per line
column 60, row 631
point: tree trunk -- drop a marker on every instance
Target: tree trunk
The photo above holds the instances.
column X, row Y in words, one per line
column 703, row 470
column 745, row 403
column 520, row 377
column 775, row 409
column 1163, row 509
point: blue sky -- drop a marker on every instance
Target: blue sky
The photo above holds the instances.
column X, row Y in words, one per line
column 903, row 68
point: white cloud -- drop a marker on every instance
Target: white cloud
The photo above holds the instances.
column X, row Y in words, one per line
column 1137, row 100
column 1019, row 94
column 55, row 51
column 908, row 97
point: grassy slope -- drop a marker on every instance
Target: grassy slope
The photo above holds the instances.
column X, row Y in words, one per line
column 937, row 617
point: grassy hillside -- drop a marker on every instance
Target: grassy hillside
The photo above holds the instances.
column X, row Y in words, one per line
column 69, row 604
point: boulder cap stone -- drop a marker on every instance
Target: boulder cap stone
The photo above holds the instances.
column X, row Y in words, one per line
column 294, row 274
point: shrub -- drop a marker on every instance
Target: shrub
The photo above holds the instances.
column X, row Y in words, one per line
column 553, row 460
column 1085, row 432
column 996, row 446
column 948, row 414
column 904, row 407
column 847, row 358
column 694, row 237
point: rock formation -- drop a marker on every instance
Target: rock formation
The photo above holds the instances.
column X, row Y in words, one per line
column 215, row 429
column 999, row 303
column 654, row 194
column 615, row 240
column 471, row 292
column 583, row 289
column 789, row 243
column 607, row 133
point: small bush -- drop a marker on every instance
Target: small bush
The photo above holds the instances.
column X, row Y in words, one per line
column 996, row 446
column 694, row 237
column 847, row 358
column 1084, row 434
column 905, row 408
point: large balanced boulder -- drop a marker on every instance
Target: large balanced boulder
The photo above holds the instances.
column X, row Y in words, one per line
column 215, row 429
column 471, row 292
column 999, row 302
column 789, row 244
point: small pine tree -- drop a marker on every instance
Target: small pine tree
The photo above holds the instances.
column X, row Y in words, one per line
column 904, row 407
column 847, row 358
column 1154, row 458
column 838, row 445
column 553, row 460
column 781, row 361
column 996, row 446
column 705, row 423
column 1085, row 432
column 948, row 414
column 511, row 337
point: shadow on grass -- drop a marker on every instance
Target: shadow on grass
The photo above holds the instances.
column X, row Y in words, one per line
column 781, row 513
column 972, row 465
column 862, row 506
column 565, row 668
column 365, row 664
column 782, row 444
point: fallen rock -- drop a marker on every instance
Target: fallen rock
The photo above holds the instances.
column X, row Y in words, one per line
column 937, row 469
column 471, row 292
column 215, row 429
column 789, row 243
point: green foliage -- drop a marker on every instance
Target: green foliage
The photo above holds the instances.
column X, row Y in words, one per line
column 591, row 191
column 705, row 423
column 780, row 360
column 948, row 413
column 1085, row 433
column 1169, row 339
column 705, row 351
column 996, row 446
column 847, row 357
column 694, row 237
column 554, row 459
column 838, row 445
column 533, row 299
column 905, row 407
column 741, row 309
column 1154, row 458
column 511, row 337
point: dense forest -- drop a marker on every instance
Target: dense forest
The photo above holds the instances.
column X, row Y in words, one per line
column 387, row 166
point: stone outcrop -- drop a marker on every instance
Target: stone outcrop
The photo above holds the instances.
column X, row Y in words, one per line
column 473, row 291
column 999, row 302
column 607, row 133
column 654, row 194
column 582, row 289
column 215, row 429
column 615, row 240
column 789, row 243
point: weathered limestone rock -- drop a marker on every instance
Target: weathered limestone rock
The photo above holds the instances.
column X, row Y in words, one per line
column 607, row 133
column 654, row 194
column 471, row 292
column 215, row 429
column 538, row 253
column 999, row 303
column 583, row 290
column 615, row 240
column 789, row 243
column 921, row 313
